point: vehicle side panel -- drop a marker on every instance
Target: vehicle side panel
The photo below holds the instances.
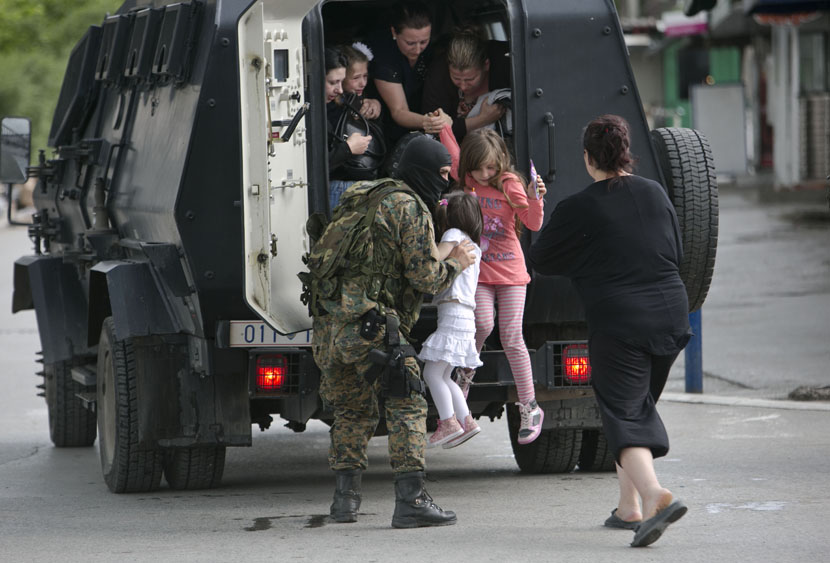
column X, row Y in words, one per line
column 561, row 40
column 59, row 300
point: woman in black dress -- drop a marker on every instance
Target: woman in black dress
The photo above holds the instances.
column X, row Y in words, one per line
column 619, row 241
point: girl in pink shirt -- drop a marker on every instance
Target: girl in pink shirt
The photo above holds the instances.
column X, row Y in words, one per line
column 482, row 167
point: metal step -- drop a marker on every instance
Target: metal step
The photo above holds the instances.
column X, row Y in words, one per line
column 85, row 375
column 88, row 399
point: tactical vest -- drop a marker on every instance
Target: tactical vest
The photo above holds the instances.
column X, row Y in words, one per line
column 349, row 273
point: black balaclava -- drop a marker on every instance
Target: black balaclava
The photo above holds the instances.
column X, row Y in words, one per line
column 418, row 166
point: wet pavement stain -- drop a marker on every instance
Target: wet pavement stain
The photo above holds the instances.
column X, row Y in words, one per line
column 317, row 520
column 260, row 524
column 265, row 522
column 809, row 218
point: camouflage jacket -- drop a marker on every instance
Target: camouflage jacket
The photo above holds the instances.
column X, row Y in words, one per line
column 406, row 256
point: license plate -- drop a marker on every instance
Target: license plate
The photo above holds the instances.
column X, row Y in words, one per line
column 247, row 334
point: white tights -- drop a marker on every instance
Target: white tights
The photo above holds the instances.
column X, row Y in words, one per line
column 446, row 394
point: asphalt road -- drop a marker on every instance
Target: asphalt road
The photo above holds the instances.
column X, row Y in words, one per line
column 753, row 472
column 766, row 320
column 755, row 480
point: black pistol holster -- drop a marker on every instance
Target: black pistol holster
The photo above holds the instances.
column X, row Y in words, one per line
column 390, row 365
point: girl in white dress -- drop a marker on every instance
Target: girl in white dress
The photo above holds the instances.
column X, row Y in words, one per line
column 457, row 218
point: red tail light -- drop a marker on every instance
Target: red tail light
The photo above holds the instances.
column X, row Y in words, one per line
column 577, row 365
column 270, row 372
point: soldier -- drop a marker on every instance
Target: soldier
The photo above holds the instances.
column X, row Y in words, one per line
column 355, row 325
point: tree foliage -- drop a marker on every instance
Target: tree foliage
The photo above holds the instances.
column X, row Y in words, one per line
column 36, row 38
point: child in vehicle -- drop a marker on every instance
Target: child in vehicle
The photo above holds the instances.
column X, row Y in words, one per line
column 341, row 149
column 358, row 56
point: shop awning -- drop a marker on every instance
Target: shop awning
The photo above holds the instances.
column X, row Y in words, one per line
column 784, row 6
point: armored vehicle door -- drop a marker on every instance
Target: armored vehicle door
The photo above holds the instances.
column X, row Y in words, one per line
column 575, row 67
column 275, row 175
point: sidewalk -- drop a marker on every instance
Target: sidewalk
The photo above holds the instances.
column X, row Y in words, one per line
column 762, row 184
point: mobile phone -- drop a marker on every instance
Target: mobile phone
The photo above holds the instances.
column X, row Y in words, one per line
column 533, row 181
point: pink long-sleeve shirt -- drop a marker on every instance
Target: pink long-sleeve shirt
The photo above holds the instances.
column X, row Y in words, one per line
column 502, row 259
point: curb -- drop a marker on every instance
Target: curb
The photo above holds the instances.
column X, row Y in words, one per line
column 693, row 398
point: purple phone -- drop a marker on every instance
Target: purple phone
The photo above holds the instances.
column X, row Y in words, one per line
column 533, row 181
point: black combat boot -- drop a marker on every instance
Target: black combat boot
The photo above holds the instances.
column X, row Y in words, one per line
column 346, row 495
column 413, row 505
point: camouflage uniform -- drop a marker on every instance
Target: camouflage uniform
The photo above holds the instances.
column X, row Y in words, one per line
column 405, row 252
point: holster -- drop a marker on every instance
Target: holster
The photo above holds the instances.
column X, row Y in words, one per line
column 390, row 365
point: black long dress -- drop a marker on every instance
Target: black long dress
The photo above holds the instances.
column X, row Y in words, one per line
column 619, row 242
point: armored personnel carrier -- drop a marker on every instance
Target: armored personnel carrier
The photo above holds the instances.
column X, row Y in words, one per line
column 189, row 149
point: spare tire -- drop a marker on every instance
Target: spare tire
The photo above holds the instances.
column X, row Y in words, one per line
column 689, row 170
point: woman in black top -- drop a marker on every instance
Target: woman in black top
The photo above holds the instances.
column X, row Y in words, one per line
column 398, row 69
column 340, row 150
column 619, row 241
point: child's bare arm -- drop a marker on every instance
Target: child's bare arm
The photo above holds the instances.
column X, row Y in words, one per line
column 444, row 249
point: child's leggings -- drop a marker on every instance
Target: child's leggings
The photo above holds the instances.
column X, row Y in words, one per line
column 446, row 394
column 511, row 303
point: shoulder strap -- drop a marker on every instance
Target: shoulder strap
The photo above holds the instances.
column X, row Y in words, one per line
column 384, row 187
column 350, row 111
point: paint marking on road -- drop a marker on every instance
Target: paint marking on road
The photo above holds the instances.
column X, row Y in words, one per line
column 752, row 436
column 762, row 418
column 694, row 398
column 770, row 505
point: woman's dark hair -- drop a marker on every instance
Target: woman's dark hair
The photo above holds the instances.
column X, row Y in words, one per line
column 608, row 142
column 411, row 14
column 334, row 59
column 462, row 212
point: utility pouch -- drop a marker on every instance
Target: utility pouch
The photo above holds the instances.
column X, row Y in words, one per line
column 395, row 382
column 370, row 324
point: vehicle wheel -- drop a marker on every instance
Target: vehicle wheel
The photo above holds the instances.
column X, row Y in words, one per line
column 126, row 467
column 70, row 423
column 686, row 160
column 555, row 450
column 194, row 468
column 595, row 454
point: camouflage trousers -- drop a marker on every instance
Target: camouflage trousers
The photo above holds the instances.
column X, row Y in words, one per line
column 343, row 360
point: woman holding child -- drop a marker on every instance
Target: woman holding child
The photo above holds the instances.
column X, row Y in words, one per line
column 399, row 67
column 471, row 68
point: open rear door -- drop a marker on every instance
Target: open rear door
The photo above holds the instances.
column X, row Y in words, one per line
column 275, row 170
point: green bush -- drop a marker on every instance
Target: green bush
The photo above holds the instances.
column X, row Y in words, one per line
column 36, row 38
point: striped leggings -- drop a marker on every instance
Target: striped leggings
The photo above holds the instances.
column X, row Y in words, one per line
column 511, row 305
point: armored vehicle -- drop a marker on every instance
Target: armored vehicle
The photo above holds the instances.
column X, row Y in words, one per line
column 189, row 150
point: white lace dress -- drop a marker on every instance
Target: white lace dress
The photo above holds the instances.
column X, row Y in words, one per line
column 454, row 339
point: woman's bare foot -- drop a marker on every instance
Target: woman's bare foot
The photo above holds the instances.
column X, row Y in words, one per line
column 629, row 514
column 655, row 502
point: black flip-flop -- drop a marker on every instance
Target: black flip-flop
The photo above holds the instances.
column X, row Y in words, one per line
column 615, row 521
column 649, row 531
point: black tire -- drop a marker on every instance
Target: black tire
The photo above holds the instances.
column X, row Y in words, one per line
column 595, row 454
column 126, row 467
column 555, row 450
column 70, row 423
column 194, row 468
column 686, row 160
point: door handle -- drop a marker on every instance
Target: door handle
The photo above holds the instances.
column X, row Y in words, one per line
column 551, row 175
